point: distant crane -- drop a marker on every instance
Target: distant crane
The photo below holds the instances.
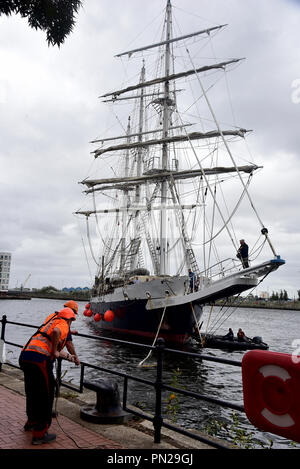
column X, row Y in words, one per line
column 24, row 283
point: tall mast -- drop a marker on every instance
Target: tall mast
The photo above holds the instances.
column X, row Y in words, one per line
column 165, row 156
column 140, row 136
column 139, row 169
column 125, row 203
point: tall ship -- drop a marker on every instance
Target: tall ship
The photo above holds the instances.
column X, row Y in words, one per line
column 169, row 198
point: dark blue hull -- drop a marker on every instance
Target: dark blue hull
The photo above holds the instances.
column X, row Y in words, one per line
column 132, row 318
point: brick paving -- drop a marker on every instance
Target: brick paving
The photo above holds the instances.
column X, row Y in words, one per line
column 13, row 436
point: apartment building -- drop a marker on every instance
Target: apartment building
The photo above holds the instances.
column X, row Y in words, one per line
column 5, row 260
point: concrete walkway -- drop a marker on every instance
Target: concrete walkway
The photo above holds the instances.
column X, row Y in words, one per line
column 71, row 431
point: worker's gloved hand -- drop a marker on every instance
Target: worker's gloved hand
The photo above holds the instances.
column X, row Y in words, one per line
column 76, row 360
column 73, row 359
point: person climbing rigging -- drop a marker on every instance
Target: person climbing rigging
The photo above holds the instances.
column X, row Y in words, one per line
column 242, row 254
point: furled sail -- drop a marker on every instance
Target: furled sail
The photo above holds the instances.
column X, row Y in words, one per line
column 172, row 139
column 167, row 174
column 169, row 41
column 171, row 77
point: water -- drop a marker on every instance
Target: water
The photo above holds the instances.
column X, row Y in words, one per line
column 278, row 328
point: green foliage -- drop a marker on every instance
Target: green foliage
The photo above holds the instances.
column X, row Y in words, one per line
column 53, row 293
column 173, row 399
column 56, row 17
column 282, row 296
column 48, row 289
column 234, row 432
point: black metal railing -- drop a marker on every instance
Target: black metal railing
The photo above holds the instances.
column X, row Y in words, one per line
column 159, row 385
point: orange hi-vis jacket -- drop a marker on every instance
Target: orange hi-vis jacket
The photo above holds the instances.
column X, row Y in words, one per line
column 41, row 342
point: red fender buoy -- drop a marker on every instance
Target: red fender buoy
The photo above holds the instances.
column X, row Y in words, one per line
column 109, row 315
column 88, row 313
column 271, row 384
column 97, row 317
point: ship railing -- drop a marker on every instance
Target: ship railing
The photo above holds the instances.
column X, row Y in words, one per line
column 221, row 269
column 159, row 385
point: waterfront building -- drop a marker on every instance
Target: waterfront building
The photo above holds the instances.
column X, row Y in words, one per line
column 265, row 295
column 5, row 260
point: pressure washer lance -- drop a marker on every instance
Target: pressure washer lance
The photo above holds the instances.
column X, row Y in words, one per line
column 57, row 394
column 55, row 412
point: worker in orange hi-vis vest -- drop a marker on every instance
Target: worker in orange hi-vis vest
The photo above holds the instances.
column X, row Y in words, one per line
column 36, row 360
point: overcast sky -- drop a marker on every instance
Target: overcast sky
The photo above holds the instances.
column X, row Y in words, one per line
column 49, row 111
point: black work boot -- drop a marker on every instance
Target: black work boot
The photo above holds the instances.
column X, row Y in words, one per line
column 47, row 438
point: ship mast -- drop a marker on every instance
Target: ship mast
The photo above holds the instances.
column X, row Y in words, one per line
column 145, row 211
column 138, row 174
column 125, row 203
column 165, row 155
column 164, row 177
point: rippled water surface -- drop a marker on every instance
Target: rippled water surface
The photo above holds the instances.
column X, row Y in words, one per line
column 278, row 328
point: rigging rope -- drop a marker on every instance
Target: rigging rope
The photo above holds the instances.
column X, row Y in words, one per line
column 214, row 326
column 89, row 240
column 195, row 319
column 161, row 321
column 209, row 187
column 232, row 214
column 209, row 318
column 228, row 150
column 84, row 249
column 259, row 249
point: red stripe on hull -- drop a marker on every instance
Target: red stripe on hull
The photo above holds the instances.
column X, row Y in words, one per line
column 169, row 338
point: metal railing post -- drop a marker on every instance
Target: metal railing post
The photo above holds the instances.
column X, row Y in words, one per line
column 3, row 321
column 58, row 376
column 125, row 388
column 158, row 420
column 81, row 377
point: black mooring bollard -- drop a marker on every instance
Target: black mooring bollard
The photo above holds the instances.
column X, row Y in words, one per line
column 108, row 407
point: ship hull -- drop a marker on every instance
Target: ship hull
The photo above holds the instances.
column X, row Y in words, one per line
column 131, row 318
column 162, row 307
